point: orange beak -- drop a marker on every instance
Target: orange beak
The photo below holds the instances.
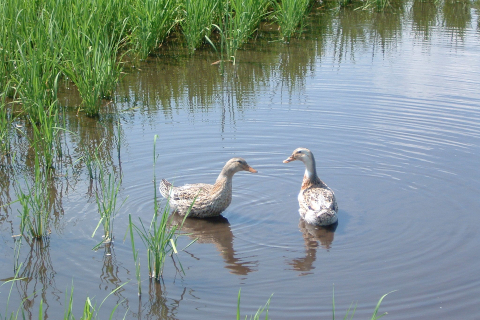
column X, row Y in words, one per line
column 252, row 170
column 289, row 159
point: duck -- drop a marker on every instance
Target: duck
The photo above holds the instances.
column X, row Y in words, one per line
column 201, row 200
column 317, row 202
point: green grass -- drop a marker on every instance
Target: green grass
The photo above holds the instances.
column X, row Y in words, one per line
column 150, row 23
column 159, row 238
column 34, row 201
column 238, row 21
column 197, row 19
column 259, row 312
column 106, row 198
column 290, row 14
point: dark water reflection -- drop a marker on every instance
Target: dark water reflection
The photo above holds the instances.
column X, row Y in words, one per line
column 388, row 102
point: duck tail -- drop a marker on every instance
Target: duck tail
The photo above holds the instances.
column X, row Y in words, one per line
column 165, row 187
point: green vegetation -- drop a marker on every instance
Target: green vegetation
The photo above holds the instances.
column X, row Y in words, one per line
column 35, row 210
column 289, row 14
column 198, row 17
column 259, row 312
column 159, row 239
column 106, row 198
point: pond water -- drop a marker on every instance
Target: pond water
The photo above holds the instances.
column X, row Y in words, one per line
column 390, row 106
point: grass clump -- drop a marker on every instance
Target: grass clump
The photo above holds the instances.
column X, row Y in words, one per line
column 106, row 198
column 289, row 14
column 150, row 23
column 159, row 238
column 35, row 210
column 198, row 17
column 239, row 20
column 91, row 56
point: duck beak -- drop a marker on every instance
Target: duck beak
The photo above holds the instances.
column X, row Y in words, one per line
column 289, row 159
column 252, row 170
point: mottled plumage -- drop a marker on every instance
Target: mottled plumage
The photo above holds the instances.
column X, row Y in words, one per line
column 317, row 201
column 208, row 200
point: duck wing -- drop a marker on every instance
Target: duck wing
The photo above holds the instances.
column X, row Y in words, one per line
column 185, row 192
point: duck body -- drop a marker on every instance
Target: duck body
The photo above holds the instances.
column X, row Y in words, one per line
column 317, row 202
column 203, row 200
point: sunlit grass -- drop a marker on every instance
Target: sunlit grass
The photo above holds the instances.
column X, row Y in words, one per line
column 159, row 238
column 150, row 22
column 290, row 15
column 259, row 312
column 197, row 19
column 239, row 19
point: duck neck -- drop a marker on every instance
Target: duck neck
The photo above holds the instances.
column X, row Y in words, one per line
column 310, row 178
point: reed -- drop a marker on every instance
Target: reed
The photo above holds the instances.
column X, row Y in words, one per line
column 198, row 17
column 151, row 22
column 290, row 14
column 35, row 211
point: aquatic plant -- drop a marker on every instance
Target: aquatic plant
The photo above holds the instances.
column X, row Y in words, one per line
column 106, row 198
column 197, row 19
column 5, row 126
column 238, row 21
column 90, row 310
column 91, row 56
column 151, row 22
column 378, row 5
column 259, row 312
column 160, row 238
column 348, row 314
column 289, row 14
column 35, row 211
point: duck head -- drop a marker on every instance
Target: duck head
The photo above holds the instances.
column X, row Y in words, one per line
column 302, row 154
column 237, row 164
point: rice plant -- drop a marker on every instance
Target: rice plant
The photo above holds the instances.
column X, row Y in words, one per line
column 378, row 5
column 198, row 16
column 290, row 14
column 35, row 210
column 350, row 313
column 91, row 56
column 160, row 237
column 90, row 309
column 239, row 20
column 151, row 22
column 259, row 312
column 5, row 126
column 106, row 198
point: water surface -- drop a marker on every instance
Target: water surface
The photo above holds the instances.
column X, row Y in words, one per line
column 389, row 105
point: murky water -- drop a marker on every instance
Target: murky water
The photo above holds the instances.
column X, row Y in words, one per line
column 390, row 106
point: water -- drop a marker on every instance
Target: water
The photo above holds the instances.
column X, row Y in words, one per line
column 389, row 105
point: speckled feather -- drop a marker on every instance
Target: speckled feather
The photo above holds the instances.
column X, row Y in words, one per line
column 208, row 200
column 316, row 200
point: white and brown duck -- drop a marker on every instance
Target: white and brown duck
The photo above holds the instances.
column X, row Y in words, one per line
column 317, row 201
column 203, row 200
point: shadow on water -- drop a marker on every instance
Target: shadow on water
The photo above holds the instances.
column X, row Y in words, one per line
column 217, row 231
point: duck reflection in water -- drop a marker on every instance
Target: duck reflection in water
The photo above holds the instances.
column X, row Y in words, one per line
column 313, row 236
column 215, row 230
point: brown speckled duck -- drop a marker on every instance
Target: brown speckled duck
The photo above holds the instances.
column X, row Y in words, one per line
column 317, row 201
column 208, row 200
